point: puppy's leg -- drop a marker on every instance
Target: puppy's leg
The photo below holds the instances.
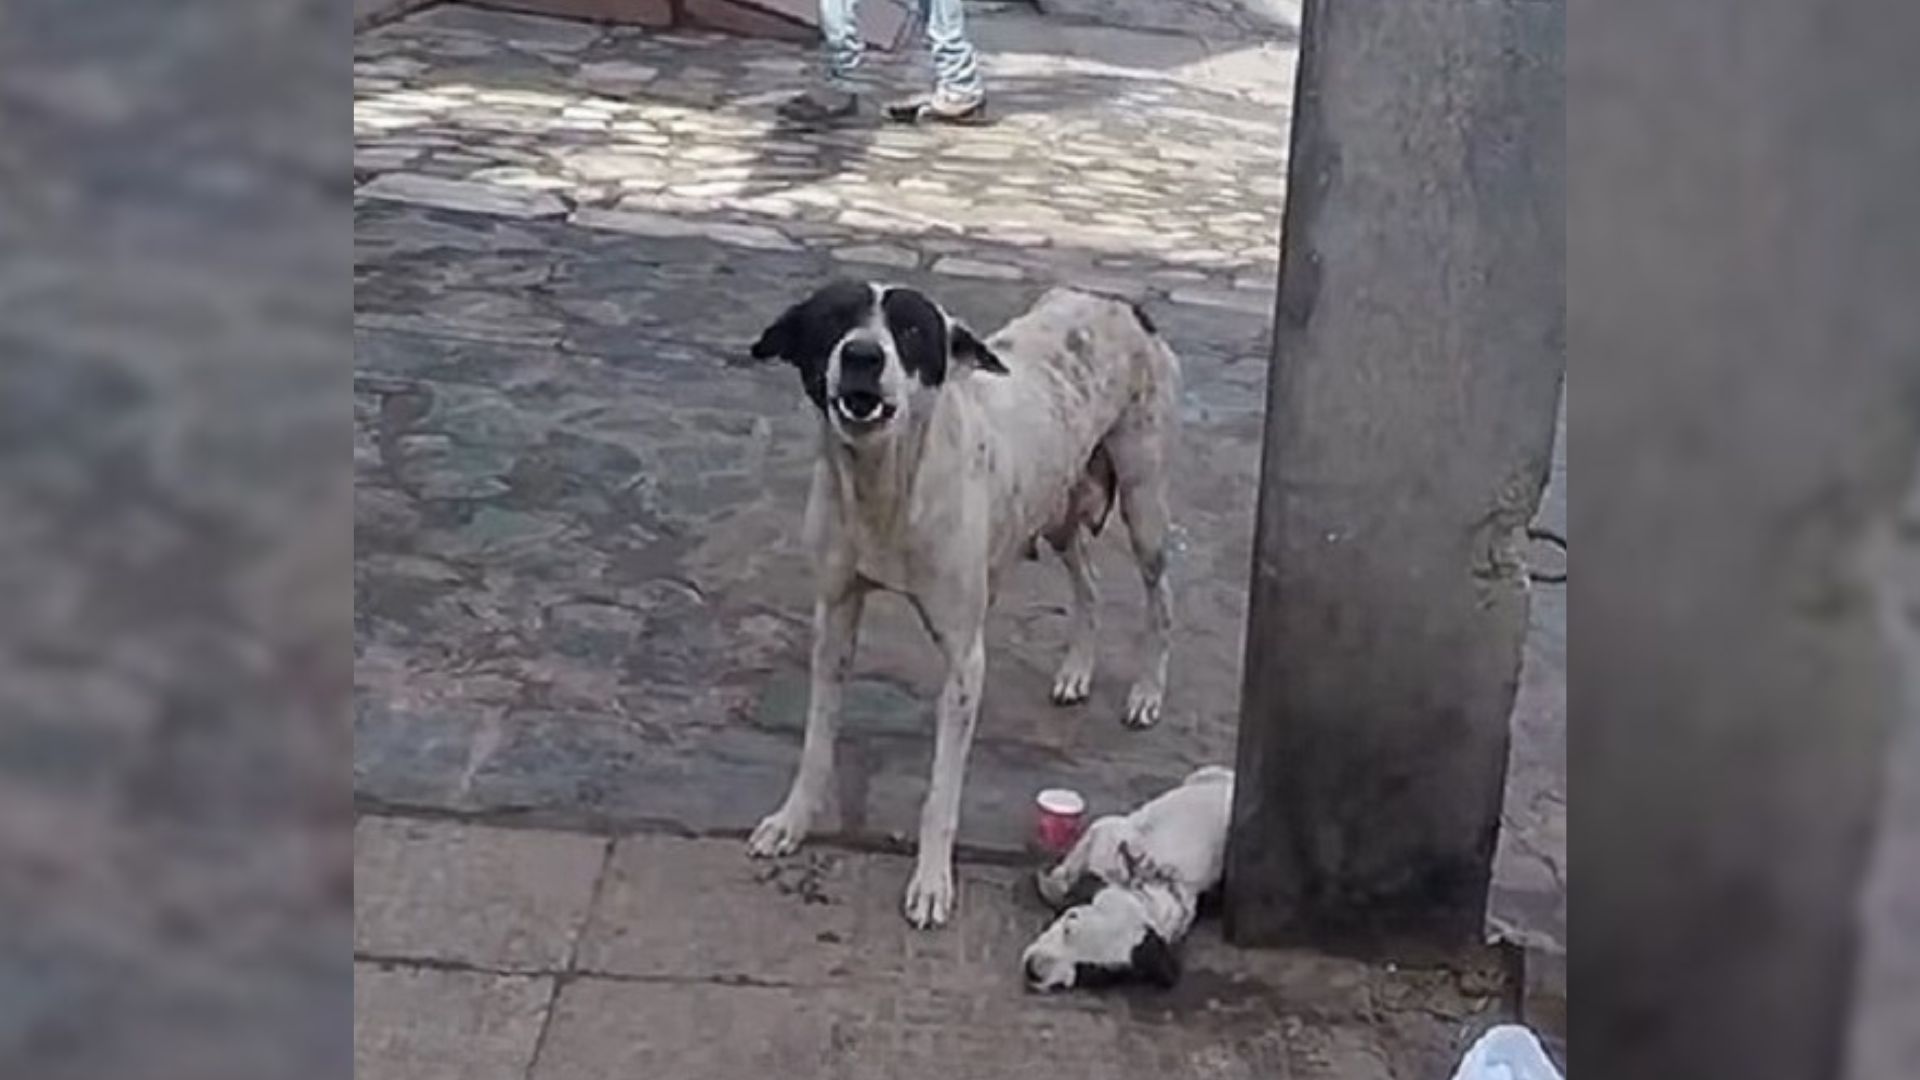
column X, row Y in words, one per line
column 1056, row 885
column 1075, row 678
column 1140, row 458
column 836, row 624
column 958, row 630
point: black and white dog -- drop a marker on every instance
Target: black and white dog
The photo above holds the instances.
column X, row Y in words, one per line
column 1131, row 888
column 943, row 460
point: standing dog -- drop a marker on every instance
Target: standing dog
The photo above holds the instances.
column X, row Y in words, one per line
column 943, row 460
column 1131, row 887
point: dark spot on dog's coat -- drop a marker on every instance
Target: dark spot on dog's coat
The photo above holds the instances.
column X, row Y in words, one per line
column 1152, row 961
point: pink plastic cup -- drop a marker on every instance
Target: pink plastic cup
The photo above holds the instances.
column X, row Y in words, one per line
column 1062, row 814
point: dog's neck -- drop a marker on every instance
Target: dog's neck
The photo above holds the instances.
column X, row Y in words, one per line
column 1170, row 906
column 876, row 481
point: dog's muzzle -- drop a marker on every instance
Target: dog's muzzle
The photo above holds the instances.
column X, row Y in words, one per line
column 862, row 410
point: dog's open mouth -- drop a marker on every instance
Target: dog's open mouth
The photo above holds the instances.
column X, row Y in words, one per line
column 861, row 409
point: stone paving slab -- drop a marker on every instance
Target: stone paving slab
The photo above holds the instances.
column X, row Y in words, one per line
column 726, row 1032
column 504, row 900
column 603, row 1029
column 700, row 962
column 821, row 918
column 422, row 1023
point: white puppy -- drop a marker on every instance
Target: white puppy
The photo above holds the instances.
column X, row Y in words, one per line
column 943, row 458
column 1131, row 888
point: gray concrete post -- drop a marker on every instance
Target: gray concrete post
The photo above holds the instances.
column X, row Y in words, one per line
column 1418, row 356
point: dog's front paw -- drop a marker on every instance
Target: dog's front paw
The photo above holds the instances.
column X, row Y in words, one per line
column 930, row 896
column 1143, row 705
column 778, row 834
column 1071, row 685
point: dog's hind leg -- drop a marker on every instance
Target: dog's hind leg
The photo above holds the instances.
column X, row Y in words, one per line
column 1088, row 508
column 836, row 624
column 1075, row 678
column 1140, row 460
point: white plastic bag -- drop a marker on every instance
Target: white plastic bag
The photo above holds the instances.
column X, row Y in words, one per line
column 1508, row 1052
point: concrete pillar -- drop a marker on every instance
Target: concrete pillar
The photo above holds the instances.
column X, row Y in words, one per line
column 1418, row 358
column 1745, row 252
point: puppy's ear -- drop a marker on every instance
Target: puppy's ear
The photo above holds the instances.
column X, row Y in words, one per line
column 1139, row 865
column 781, row 339
column 971, row 350
column 1155, row 961
column 1082, row 891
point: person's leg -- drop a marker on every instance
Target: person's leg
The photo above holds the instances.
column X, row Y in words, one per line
column 959, row 94
column 841, row 50
column 956, row 65
column 840, row 40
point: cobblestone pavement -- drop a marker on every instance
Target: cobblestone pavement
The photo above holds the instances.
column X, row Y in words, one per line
column 1137, row 179
column 1220, row 20
column 657, row 956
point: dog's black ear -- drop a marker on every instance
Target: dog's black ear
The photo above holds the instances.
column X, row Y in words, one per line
column 1082, row 891
column 1155, row 961
column 971, row 350
column 782, row 339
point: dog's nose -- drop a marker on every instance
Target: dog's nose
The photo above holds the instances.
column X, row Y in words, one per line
column 862, row 357
column 1034, row 975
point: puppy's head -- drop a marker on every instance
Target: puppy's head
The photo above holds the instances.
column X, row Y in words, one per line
column 1100, row 943
column 871, row 357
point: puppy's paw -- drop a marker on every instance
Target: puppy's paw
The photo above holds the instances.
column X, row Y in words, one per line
column 1072, row 684
column 779, row 833
column 930, row 896
column 1143, row 705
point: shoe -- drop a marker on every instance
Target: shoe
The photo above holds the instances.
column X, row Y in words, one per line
column 822, row 106
column 939, row 107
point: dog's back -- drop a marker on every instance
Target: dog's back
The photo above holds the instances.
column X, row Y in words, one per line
column 1184, row 831
column 1089, row 380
